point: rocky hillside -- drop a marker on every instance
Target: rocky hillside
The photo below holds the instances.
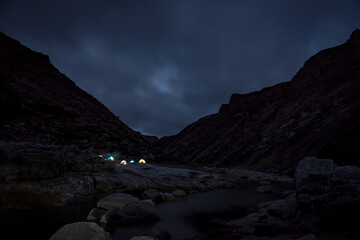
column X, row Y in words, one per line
column 315, row 114
column 41, row 105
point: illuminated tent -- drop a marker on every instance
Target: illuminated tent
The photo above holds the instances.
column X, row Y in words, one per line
column 111, row 158
column 123, row 162
column 132, row 161
column 142, row 161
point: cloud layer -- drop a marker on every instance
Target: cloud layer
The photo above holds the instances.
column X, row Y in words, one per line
column 160, row 65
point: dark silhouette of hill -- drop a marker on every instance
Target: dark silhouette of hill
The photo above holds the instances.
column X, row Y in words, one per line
column 41, row 105
column 317, row 113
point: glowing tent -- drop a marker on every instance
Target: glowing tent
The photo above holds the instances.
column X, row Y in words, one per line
column 111, row 158
column 142, row 161
column 132, row 161
column 123, row 162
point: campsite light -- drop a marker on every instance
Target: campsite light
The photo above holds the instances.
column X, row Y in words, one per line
column 111, row 158
column 132, row 161
column 100, row 155
column 123, row 162
column 142, row 161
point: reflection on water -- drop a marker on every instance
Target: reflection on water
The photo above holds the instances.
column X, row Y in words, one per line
column 175, row 214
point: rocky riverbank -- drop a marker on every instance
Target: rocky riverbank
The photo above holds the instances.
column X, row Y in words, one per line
column 324, row 201
column 324, row 205
column 36, row 175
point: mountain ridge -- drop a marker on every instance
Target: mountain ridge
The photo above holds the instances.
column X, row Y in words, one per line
column 256, row 130
column 42, row 105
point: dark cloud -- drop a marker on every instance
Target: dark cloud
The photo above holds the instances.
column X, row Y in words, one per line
column 160, row 65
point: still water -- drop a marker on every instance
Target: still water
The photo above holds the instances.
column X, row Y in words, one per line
column 182, row 218
column 189, row 216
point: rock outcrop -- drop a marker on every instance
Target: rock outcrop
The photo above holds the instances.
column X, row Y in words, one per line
column 315, row 114
column 81, row 231
column 41, row 105
column 325, row 205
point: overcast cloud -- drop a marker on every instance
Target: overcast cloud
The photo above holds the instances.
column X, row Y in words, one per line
column 160, row 65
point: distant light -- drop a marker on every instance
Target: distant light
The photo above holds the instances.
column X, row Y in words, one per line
column 111, row 158
column 100, row 155
column 123, row 162
column 142, row 161
column 132, row 161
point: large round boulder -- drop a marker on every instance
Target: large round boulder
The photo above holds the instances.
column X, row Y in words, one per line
column 116, row 200
column 81, row 231
column 133, row 212
column 152, row 194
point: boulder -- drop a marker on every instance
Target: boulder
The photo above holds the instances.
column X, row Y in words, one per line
column 142, row 210
column 314, row 175
column 95, row 214
column 141, row 238
column 179, row 193
column 313, row 182
column 348, row 172
column 81, row 231
column 133, row 212
column 247, row 224
column 167, row 196
column 152, row 194
column 283, row 208
column 116, row 200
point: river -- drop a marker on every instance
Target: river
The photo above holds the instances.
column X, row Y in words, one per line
column 182, row 218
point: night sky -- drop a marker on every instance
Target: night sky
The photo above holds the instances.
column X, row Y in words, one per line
column 160, row 65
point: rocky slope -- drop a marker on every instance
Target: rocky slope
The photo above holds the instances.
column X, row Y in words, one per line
column 315, row 114
column 41, row 105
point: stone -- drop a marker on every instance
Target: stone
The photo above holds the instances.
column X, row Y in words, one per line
column 81, row 231
column 116, row 200
column 144, row 210
column 167, row 196
column 247, row 224
column 348, row 172
column 95, row 214
column 314, row 175
column 313, row 182
column 152, row 194
column 283, row 208
column 133, row 212
column 179, row 193
column 105, row 218
column 141, row 238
